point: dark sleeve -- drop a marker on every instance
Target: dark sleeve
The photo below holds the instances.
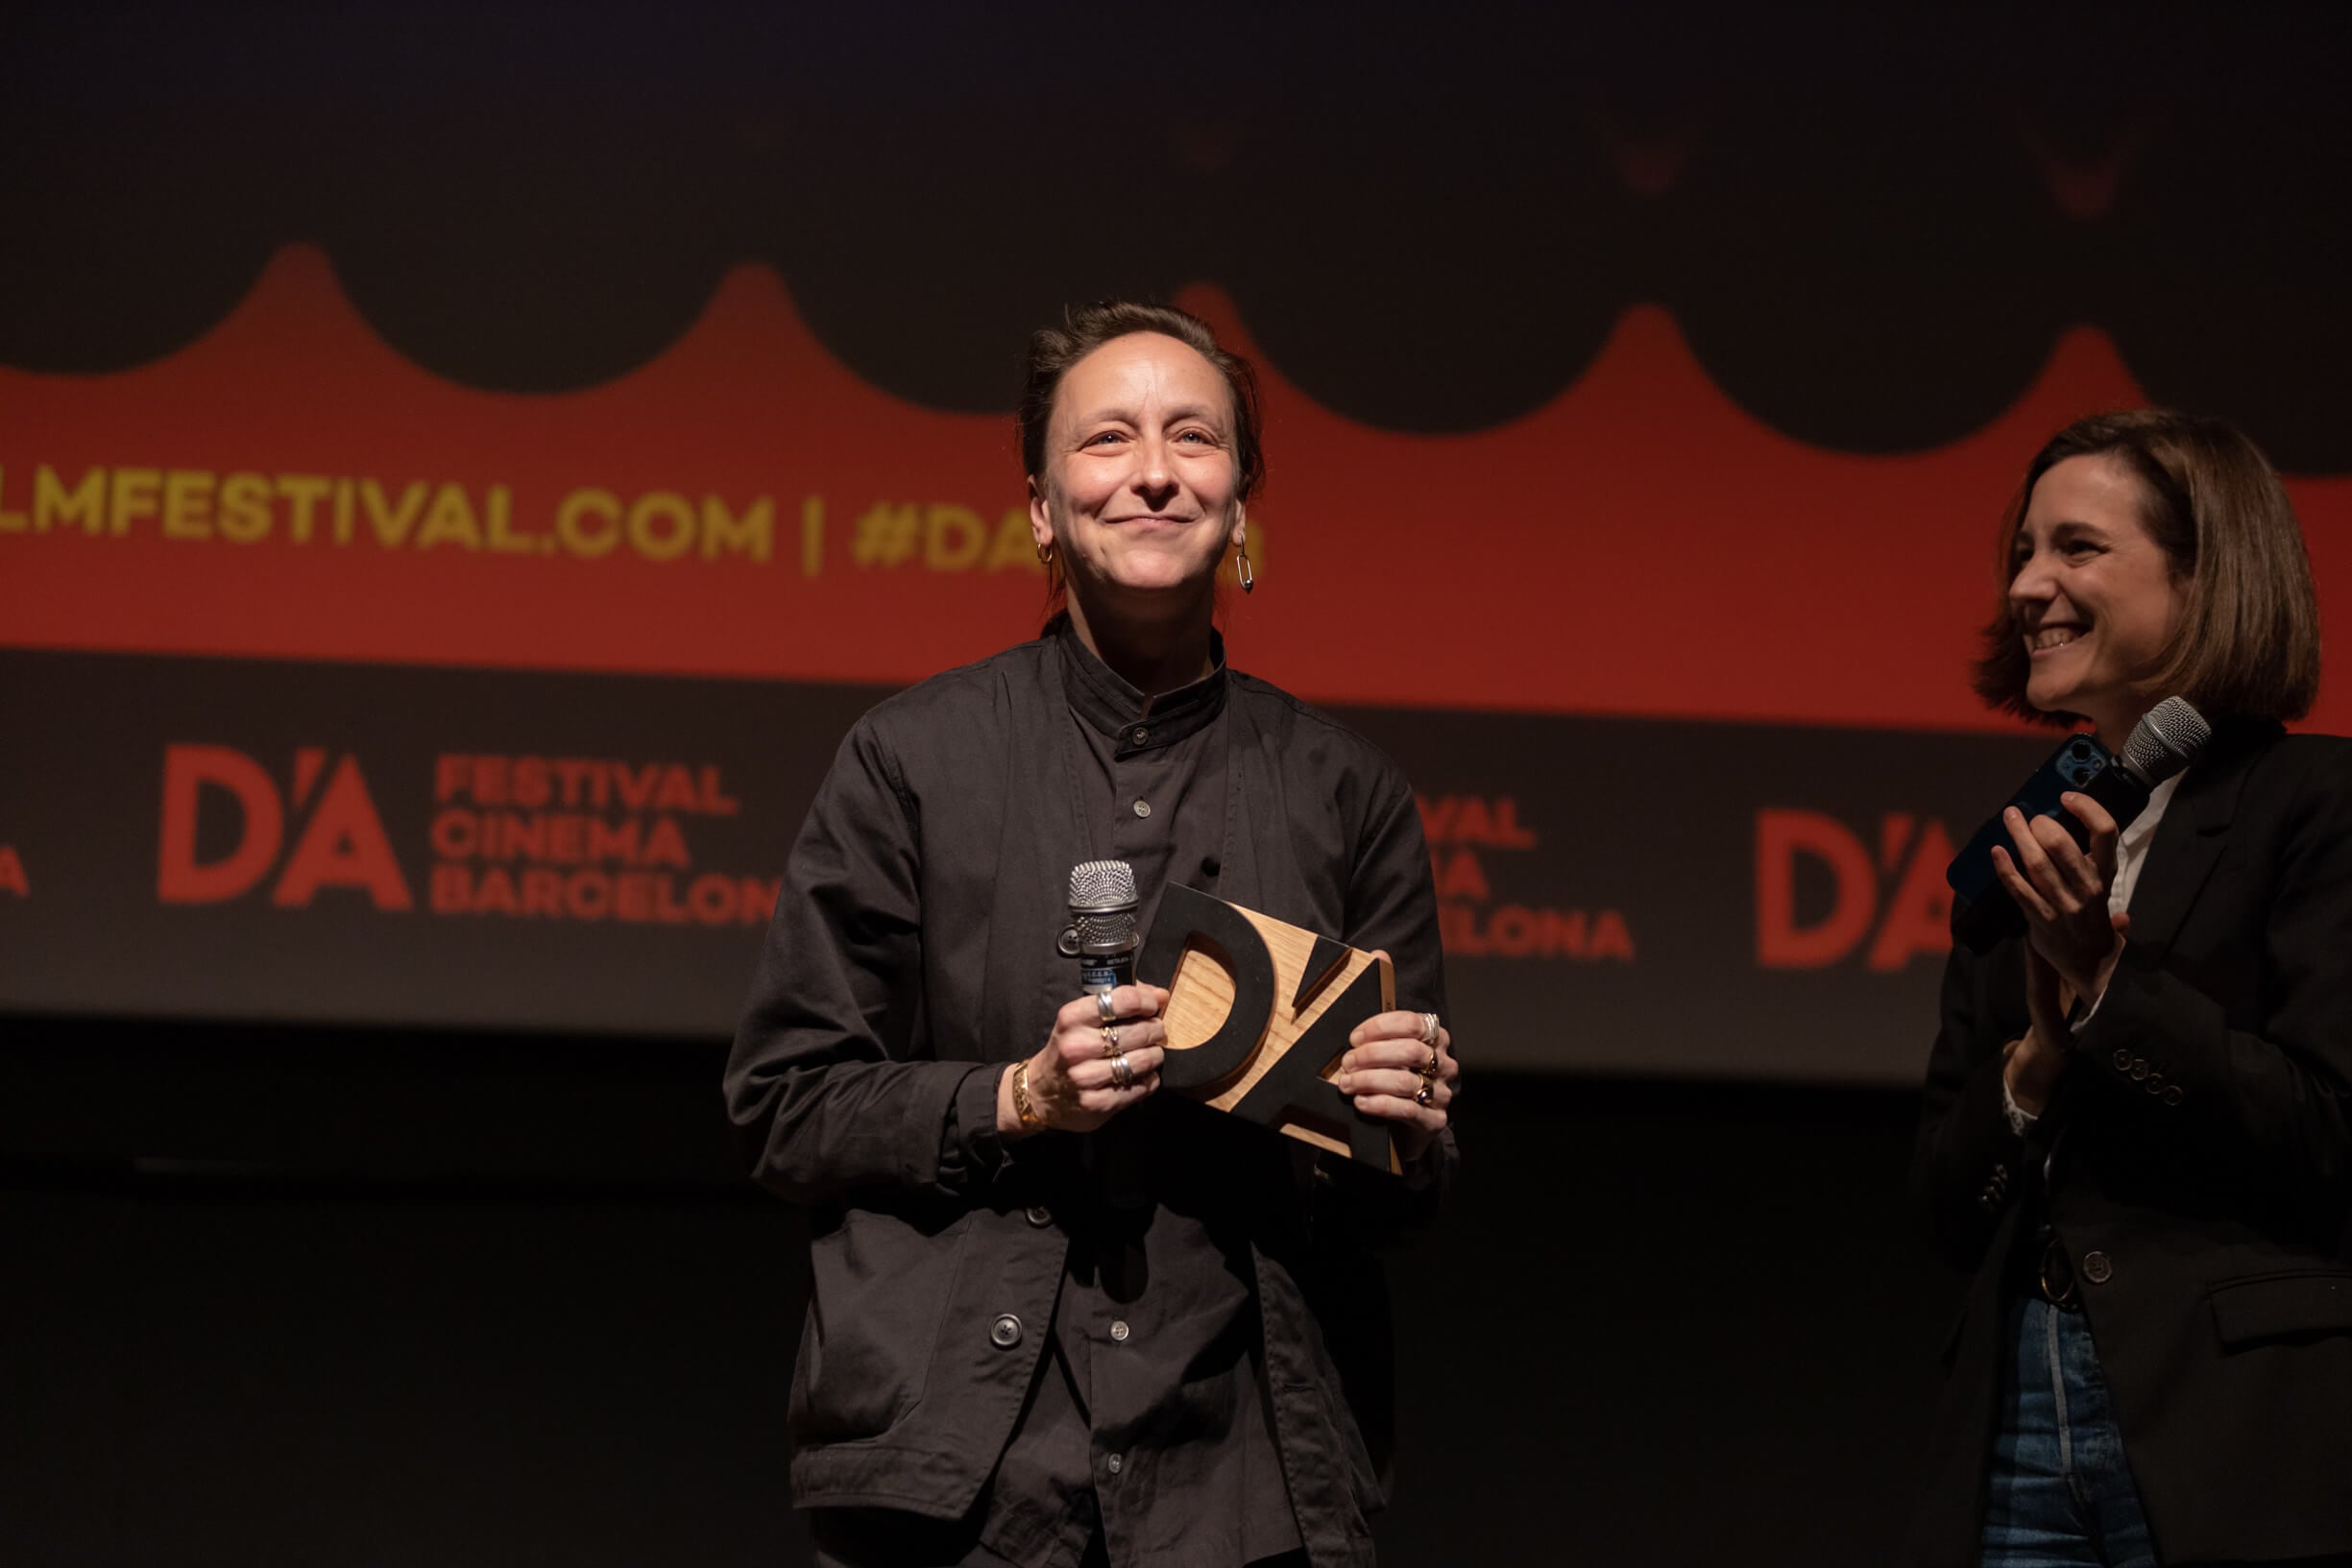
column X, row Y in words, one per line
column 825, row 1088
column 1392, row 904
column 1967, row 1164
column 2267, row 1110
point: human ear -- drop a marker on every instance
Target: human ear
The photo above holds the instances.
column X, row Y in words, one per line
column 1040, row 519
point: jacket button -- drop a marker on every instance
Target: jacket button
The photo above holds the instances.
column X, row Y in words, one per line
column 2096, row 1269
column 2155, row 1083
column 1038, row 1215
column 2139, row 1067
column 1118, row 1331
column 1006, row 1331
column 1114, row 1464
column 2171, row 1094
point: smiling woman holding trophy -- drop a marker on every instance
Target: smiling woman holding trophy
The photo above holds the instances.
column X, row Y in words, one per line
column 1060, row 1317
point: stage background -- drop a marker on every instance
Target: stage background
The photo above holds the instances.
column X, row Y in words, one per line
column 392, row 406
column 462, row 470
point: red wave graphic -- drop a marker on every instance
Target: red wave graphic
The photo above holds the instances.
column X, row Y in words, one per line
column 1636, row 547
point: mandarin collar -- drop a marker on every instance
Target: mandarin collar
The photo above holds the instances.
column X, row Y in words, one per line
column 1115, row 707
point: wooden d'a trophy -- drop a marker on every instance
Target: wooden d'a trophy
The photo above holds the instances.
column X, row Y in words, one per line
column 1258, row 1013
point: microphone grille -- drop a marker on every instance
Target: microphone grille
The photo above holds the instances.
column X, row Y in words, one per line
column 1102, row 885
column 2167, row 741
column 1103, row 907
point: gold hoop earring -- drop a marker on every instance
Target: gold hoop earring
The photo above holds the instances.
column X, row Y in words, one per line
column 1045, row 553
column 1241, row 567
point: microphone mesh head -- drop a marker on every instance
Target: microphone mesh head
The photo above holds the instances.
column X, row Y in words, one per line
column 1102, row 885
column 1102, row 905
column 2167, row 741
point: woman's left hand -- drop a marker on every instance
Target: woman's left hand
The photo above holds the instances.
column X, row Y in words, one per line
column 1400, row 1069
column 2062, row 892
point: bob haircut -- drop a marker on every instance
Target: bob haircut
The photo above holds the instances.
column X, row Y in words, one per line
column 2248, row 641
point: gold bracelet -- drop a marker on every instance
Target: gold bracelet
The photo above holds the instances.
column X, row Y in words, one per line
column 1030, row 1120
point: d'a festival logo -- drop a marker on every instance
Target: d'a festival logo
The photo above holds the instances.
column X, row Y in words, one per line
column 531, row 837
column 1886, row 900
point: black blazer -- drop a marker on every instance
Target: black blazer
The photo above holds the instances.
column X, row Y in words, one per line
column 2199, row 1172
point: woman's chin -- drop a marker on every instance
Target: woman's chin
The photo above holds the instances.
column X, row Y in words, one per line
column 1154, row 580
column 2053, row 696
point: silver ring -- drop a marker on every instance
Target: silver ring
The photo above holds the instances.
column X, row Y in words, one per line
column 1429, row 1029
column 1122, row 1072
column 1101, row 1002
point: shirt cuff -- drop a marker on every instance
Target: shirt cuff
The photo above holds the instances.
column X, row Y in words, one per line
column 2019, row 1120
column 970, row 1151
column 2082, row 1015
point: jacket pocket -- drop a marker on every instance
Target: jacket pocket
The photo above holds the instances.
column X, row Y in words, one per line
column 2266, row 1307
column 878, row 1285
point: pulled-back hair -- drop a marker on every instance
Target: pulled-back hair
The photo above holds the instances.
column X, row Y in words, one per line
column 1085, row 328
column 2248, row 638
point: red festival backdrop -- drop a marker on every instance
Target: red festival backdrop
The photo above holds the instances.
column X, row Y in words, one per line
column 337, row 687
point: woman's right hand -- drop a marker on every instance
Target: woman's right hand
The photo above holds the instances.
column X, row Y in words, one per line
column 1072, row 1082
column 2030, row 1066
column 2030, row 1069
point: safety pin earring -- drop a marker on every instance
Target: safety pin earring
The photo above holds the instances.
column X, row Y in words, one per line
column 1241, row 567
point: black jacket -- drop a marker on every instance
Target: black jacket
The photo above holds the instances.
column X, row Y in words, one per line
column 912, row 956
column 2199, row 1151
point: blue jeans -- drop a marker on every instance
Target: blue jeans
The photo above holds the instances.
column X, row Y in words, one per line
column 2062, row 1495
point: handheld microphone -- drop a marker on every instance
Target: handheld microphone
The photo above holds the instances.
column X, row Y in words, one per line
column 1102, row 933
column 2162, row 744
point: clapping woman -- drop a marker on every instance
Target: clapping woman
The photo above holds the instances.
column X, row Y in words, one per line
column 2137, row 1132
